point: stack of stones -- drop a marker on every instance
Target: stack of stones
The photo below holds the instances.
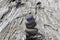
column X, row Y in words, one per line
column 31, row 31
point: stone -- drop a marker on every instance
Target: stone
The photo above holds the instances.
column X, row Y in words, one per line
column 30, row 21
column 11, row 0
column 32, row 31
column 38, row 3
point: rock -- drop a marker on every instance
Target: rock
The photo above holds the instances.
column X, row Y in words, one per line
column 32, row 31
column 11, row 0
column 30, row 21
column 38, row 3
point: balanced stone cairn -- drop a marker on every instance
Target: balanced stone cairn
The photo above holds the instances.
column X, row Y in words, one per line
column 31, row 31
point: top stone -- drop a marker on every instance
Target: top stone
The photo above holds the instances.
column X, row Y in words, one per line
column 29, row 17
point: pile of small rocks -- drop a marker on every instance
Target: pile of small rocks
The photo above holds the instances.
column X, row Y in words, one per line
column 31, row 31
